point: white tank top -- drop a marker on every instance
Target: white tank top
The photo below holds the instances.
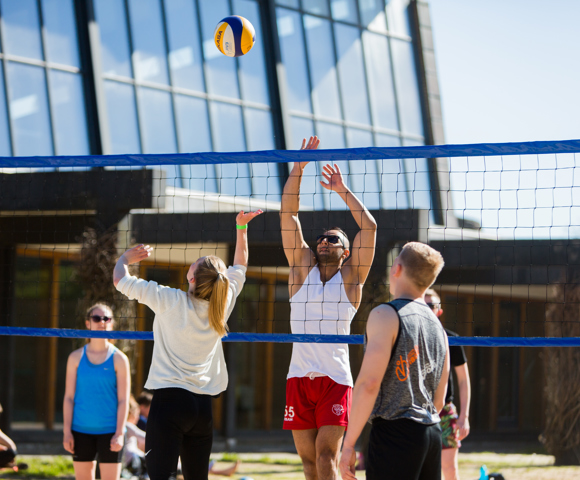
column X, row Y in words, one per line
column 325, row 309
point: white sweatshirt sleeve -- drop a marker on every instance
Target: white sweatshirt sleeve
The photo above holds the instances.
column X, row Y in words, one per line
column 237, row 276
column 157, row 297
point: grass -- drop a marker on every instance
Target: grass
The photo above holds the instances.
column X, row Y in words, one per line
column 44, row 467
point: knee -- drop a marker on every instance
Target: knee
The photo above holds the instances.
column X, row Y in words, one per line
column 327, row 457
column 449, row 472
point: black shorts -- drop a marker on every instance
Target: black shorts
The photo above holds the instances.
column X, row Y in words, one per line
column 404, row 449
column 89, row 447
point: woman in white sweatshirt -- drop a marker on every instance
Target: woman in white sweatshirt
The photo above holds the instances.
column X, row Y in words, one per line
column 188, row 365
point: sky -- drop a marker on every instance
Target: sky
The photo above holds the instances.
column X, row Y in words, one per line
column 509, row 70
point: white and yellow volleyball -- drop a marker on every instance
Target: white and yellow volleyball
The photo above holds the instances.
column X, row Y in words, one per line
column 234, row 36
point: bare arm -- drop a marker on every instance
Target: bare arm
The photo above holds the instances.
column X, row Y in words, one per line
column 462, row 373
column 133, row 255
column 382, row 328
column 295, row 248
column 123, row 393
column 69, row 400
column 7, row 441
column 439, row 397
column 363, row 247
column 241, row 253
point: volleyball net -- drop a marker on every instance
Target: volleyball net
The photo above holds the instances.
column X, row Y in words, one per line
column 506, row 218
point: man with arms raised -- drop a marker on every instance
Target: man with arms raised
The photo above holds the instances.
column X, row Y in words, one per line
column 403, row 378
column 325, row 292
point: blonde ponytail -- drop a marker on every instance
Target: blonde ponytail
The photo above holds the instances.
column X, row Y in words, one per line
column 213, row 285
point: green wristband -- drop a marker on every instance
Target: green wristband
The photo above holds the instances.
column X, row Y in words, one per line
column 241, row 227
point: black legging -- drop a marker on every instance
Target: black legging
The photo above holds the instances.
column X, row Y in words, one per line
column 179, row 424
column 6, row 457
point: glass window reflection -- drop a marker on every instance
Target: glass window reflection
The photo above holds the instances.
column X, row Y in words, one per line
column 372, row 14
column 21, row 25
column 253, row 78
column 398, row 16
column 122, row 118
column 29, row 110
column 60, row 29
column 149, row 51
column 392, row 176
column 331, row 136
column 363, row 173
column 407, row 87
column 260, row 134
column 294, row 60
column 288, row 3
column 344, row 10
column 379, row 74
column 68, row 113
column 320, row 7
column 322, row 67
column 5, row 150
column 185, row 60
column 303, row 128
column 221, row 71
column 351, row 71
column 418, row 181
column 115, row 55
column 227, row 127
column 194, row 136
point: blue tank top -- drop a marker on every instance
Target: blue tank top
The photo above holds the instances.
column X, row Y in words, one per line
column 95, row 406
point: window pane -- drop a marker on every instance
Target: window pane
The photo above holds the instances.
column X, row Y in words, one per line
column 363, row 173
column 355, row 101
column 398, row 16
column 418, row 178
column 5, row 150
column 68, row 113
column 194, row 136
column 322, row 67
column 310, row 190
column 344, row 10
column 29, row 110
column 221, row 71
column 393, row 182
column 122, row 118
column 149, row 51
column 253, row 78
column 115, row 55
column 331, row 136
column 319, row 7
column 372, row 14
column 21, row 28
column 288, row 3
column 185, row 59
column 228, row 132
column 265, row 176
column 60, row 32
column 380, row 81
column 294, row 60
column 407, row 87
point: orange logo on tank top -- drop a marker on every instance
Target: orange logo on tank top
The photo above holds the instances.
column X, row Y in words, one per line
column 403, row 364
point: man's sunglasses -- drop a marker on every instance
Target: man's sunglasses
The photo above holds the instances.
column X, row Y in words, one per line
column 333, row 239
column 434, row 305
column 98, row 318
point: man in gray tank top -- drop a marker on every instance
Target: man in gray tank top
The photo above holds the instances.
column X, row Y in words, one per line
column 403, row 378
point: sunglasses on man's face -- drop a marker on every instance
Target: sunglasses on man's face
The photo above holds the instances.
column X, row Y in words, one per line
column 433, row 306
column 98, row 318
column 333, row 239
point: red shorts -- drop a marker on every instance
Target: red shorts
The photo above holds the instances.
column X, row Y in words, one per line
column 313, row 403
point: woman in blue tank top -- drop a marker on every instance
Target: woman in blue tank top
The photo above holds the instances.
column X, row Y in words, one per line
column 96, row 401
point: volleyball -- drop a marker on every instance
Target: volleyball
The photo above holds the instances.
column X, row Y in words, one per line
column 234, row 36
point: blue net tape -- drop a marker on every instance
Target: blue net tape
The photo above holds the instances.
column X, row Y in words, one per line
column 284, row 156
column 290, row 338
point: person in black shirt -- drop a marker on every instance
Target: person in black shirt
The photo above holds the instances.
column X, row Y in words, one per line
column 454, row 427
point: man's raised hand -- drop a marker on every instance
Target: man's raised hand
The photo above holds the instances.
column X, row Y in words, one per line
column 333, row 176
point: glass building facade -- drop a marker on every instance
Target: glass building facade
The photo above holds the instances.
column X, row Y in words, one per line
column 144, row 76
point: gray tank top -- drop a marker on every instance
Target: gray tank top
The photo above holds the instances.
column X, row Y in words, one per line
column 415, row 366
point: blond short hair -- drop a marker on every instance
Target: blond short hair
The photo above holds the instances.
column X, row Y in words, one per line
column 422, row 263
